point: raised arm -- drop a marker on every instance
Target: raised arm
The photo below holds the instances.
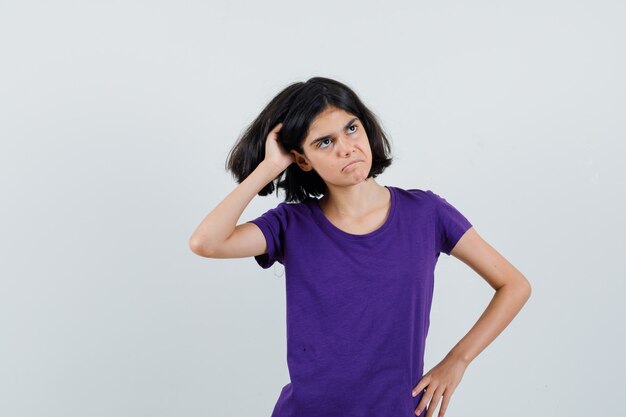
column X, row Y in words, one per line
column 218, row 235
column 219, row 225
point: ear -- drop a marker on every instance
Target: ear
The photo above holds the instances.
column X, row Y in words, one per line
column 302, row 161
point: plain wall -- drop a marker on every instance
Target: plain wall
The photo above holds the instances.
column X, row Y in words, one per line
column 115, row 122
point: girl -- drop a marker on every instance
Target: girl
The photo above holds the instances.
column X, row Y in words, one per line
column 359, row 261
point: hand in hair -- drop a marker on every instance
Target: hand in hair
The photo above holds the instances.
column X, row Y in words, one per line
column 274, row 151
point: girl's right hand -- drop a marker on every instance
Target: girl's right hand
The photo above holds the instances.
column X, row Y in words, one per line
column 274, row 151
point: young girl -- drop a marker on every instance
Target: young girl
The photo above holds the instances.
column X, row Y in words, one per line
column 359, row 262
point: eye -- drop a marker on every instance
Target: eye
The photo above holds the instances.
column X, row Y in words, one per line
column 319, row 144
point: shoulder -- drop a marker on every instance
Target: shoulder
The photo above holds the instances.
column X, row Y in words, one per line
column 288, row 207
column 428, row 196
column 419, row 196
column 294, row 208
column 287, row 212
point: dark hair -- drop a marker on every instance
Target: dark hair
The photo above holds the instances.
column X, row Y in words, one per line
column 296, row 107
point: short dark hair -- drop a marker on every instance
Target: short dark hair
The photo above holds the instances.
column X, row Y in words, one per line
column 296, row 107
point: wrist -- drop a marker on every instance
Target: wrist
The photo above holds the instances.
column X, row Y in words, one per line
column 270, row 168
column 460, row 357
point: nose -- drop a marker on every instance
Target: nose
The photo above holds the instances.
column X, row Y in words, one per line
column 344, row 145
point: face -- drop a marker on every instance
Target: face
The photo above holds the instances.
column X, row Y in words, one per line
column 335, row 139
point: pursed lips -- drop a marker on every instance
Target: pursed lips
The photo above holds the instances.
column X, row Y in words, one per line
column 353, row 162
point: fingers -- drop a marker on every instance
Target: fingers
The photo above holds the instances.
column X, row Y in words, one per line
column 434, row 401
column 439, row 383
column 421, row 385
column 430, row 399
column 444, row 405
column 273, row 134
column 423, row 402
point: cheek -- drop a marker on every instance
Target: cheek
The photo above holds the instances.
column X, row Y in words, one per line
column 365, row 145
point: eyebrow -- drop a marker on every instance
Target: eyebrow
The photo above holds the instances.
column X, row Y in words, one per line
column 347, row 125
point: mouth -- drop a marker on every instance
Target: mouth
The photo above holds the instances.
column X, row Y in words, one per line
column 352, row 163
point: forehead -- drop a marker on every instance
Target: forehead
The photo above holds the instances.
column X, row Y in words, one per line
column 329, row 121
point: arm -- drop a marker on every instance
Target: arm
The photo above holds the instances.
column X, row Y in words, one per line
column 218, row 235
column 220, row 223
column 512, row 290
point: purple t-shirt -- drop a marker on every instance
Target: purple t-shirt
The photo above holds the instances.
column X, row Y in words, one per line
column 358, row 306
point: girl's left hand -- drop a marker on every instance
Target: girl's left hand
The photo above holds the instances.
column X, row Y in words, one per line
column 441, row 381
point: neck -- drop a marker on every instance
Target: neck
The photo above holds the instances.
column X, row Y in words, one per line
column 355, row 200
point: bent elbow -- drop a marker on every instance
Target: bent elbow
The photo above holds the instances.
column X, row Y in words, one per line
column 199, row 248
column 527, row 289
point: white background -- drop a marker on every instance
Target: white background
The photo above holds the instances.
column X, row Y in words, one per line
column 115, row 122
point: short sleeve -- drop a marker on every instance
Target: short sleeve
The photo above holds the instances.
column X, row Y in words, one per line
column 451, row 224
column 273, row 224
